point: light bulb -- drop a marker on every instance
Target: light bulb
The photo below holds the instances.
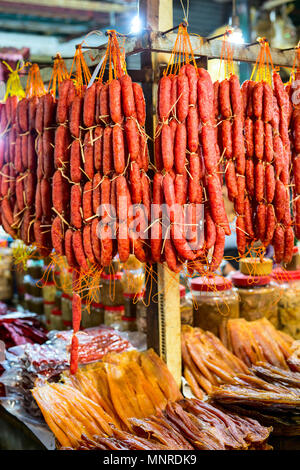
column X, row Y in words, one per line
column 236, row 37
column 135, row 24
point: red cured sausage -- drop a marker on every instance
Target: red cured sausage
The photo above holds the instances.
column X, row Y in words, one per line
column 240, row 235
column 69, row 252
column 278, row 243
column 96, row 197
column 259, row 181
column 236, row 96
column 115, row 104
column 49, row 110
column 89, row 105
column 106, row 245
column 261, row 222
column 288, row 244
column 104, row 104
column 257, row 99
column 249, row 137
column 118, row 149
column 205, row 96
column 194, row 179
column 192, row 130
column 132, row 137
column 79, row 251
column 224, row 99
column 170, row 256
column 128, row 101
column 210, row 230
column 248, row 213
column 31, row 155
column 45, row 197
column 181, row 188
column 98, row 141
column 87, row 205
column 88, row 155
column 62, row 103
column 259, row 139
column 87, row 244
column 210, row 155
column 75, row 162
column 60, row 192
column 57, row 236
column 226, row 131
column 216, row 98
column 230, row 179
column 182, row 106
column 135, row 183
column 267, row 102
column 164, row 98
column 61, row 149
column 167, row 147
column 95, row 240
column 107, row 151
column 268, row 144
column 239, row 146
column 75, row 205
column 139, row 103
column 75, row 116
column 192, row 76
column 270, row 183
column 218, row 249
column 217, row 207
column 280, row 199
column 270, row 225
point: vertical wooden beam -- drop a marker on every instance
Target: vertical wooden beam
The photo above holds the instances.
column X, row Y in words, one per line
column 163, row 318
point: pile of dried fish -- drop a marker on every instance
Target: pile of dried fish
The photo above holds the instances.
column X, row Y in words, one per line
column 271, row 395
column 186, row 425
column 257, row 341
column 126, row 385
column 207, row 362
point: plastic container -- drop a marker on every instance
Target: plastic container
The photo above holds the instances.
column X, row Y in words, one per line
column 288, row 304
column 216, row 301
column 66, row 307
column 113, row 315
column 111, row 289
column 186, row 307
column 129, row 323
column 92, row 316
column 257, row 297
column 141, row 317
column 49, row 291
column 48, row 307
column 56, row 321
column 131, row 302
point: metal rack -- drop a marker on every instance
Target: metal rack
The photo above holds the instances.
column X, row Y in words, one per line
column 154, row 48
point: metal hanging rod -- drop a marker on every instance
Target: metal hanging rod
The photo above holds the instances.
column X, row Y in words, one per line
column 183, row 23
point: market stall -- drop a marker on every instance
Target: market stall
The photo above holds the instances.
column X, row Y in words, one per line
column 116, row 191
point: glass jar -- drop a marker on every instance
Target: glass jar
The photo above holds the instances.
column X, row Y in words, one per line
column 129, row 323
column 113, row 315
column 48, row 307
column 186, row 307
column 131, row 302
column 215, row 301
column 288, row 285
column 66, row 307
column 97, row 314
column 58, row 295
column 257, row 297
column 49, row 291
column 35, row 268
column 56, row 322
column 85, row 314
column 133, row 275
column 35, row 305
column 111, row 289
column 141, row 317
column 67, row 325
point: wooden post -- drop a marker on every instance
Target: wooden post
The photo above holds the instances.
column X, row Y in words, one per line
column 163, row 318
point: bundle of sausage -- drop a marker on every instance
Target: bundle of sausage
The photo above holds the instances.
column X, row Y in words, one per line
column 187, row 163
column 295, row 140
column 101, row 159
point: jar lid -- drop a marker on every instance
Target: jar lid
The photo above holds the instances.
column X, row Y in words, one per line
column 46, row 302
column 210, row 284
column 242, row 280
column 182, row 290
column 256, row 266
column 94, row 304
column 56, row 311
column 280, row 275
column 48, row 283
column 115, row 276
column 56, row 273
column 128, row 319
column 295, row 250
column 66, row 296
column 132, row 295
column 114, row 308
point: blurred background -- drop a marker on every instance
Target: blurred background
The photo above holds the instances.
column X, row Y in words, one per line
column 37, row 29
